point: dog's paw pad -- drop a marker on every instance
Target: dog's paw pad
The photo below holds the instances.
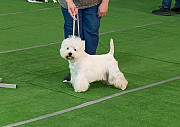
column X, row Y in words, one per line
column 79, row 91
column 123, row 87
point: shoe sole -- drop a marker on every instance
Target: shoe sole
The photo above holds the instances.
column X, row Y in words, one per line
column 66, row 81
column 164, row 14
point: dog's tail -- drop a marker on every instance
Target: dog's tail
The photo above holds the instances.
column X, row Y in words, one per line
column 111, row 47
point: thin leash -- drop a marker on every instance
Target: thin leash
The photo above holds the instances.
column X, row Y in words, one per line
column 74, row 22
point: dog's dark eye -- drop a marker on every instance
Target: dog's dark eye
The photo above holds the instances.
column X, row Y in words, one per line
column 67, row 48
column 74, row 49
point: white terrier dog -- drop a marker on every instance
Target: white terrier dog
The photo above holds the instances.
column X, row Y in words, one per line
column 55, row 1
column 85, row 68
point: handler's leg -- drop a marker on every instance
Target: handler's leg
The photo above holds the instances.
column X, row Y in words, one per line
column 91, row 24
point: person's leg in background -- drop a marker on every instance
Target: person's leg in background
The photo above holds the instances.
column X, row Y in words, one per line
column 91, row 25
column 68, row 23
column 166, row 3
column 177, row 5
column 165, row 9
column 176, row 8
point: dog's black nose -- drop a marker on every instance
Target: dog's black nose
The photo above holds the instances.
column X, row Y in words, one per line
column 70, row 54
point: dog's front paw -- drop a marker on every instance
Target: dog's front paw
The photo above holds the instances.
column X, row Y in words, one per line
column 46, row 1
column 122, row 84
column 54, row 1
column 123, row 87
column 79, row 91
column 81, row 88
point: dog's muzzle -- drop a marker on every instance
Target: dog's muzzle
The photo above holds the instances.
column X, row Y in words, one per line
column 70, row 56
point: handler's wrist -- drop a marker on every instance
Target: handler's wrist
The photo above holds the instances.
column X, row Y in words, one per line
column 69, row 1
column 105, row 2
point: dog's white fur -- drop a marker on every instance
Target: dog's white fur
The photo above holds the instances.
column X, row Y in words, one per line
column 55, row 1
column 85, row 68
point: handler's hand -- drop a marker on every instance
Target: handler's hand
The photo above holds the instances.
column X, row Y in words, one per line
column 103, row 9
column 72, row 8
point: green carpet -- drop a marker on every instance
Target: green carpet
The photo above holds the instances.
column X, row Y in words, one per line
column 152, row 107
column 146, row 54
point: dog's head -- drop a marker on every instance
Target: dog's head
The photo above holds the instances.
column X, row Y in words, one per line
column 72, row 48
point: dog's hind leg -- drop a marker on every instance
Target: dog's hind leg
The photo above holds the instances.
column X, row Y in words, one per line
column 80, row 83
column 116, row 78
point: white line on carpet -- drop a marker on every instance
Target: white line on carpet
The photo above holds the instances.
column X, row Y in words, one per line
column 22, row 12
column 91, row 103
column 118, row 30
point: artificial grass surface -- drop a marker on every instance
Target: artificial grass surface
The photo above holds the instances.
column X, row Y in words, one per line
column 146, row 55
column 152, row 107
column 11, row 6
column 35, row 27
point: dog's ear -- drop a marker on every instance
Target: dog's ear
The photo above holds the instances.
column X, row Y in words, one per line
column 83, row 42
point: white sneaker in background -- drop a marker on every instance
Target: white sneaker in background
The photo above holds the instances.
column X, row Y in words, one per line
column 35, row 1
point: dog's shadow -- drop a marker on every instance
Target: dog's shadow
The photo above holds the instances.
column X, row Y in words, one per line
column 95, row 91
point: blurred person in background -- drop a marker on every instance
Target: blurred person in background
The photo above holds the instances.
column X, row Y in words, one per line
column 165, row 8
